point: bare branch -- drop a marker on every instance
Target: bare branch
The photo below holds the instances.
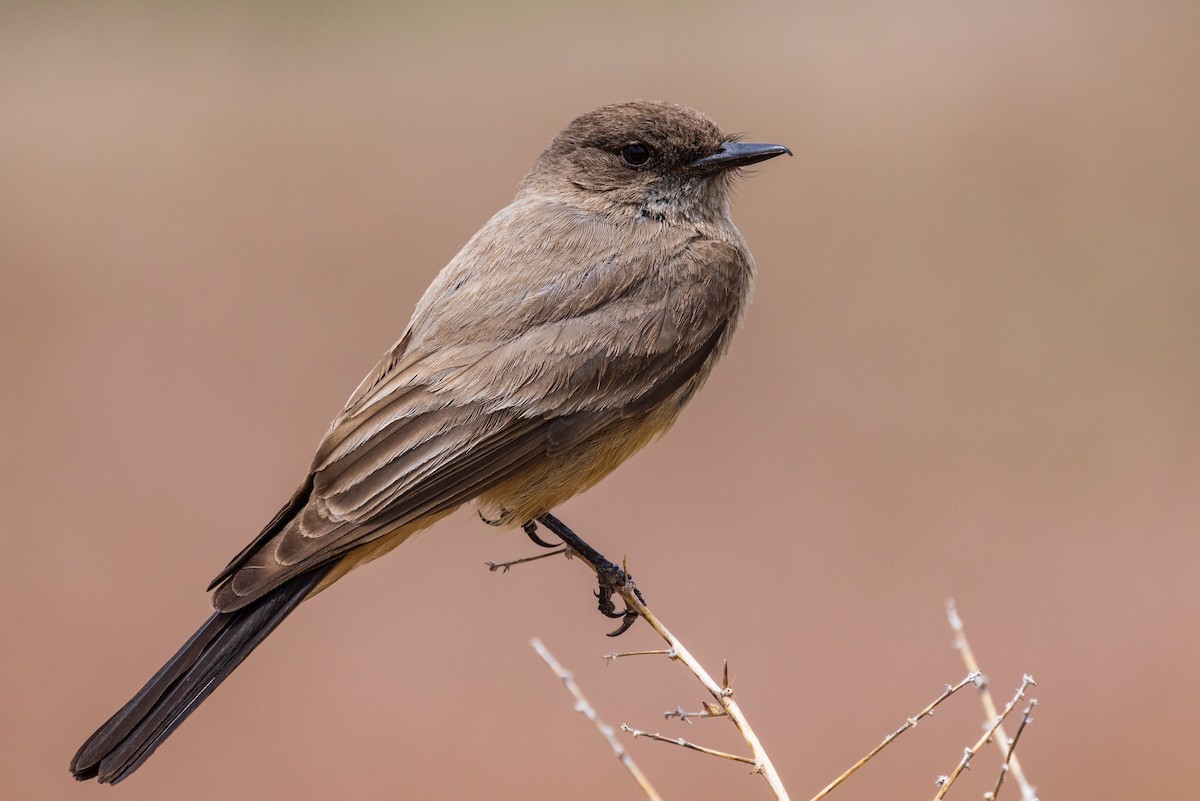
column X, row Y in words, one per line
column 950, row 690
column 504, row 566
column 667, row 652
column 1012, row 747
column 1028, row 791
column 969, row 753
column 720, row 692
column 582, row 706
column 682, row 743
column 709, row 711
column 634, row 606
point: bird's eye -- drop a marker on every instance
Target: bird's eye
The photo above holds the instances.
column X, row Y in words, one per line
column 635, row 154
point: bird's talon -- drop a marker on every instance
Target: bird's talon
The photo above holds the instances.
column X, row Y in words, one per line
column 630, row 616
column 530, row 529
column 610, row 578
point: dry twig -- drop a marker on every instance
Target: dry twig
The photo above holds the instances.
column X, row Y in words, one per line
column 676, row 650
column 1028, row 791
column 667, row 652
column 504, row 566
column 908, row 724
column 709, row 711
column 1012, row 746
column 582, row 706
column 945, row 782
column 682, row 743
column 721, row 693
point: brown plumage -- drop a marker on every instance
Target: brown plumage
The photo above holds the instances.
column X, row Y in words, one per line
column 567, row 333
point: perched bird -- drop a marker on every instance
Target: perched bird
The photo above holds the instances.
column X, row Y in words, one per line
column 567, row 333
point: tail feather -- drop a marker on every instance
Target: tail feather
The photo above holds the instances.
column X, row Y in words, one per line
column 128, row 738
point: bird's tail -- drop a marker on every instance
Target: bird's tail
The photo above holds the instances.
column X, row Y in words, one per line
column 128, row 738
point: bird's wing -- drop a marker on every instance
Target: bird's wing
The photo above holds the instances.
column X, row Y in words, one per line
column 446, row 416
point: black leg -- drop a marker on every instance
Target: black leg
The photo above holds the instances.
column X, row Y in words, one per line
column 610, row 576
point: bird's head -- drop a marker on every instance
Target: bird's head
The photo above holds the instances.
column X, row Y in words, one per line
column 645, row 158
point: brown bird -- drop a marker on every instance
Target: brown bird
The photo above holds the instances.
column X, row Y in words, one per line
column 566, row 334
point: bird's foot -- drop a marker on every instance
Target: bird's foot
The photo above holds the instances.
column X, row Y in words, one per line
column 612, row 579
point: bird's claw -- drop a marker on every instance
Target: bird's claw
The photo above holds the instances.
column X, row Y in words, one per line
column 629, row 618
column 612, row 579
column 530, row 529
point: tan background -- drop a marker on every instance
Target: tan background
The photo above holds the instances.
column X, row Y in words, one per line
column 971, row 370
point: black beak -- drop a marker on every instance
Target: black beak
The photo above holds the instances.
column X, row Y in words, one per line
column 739, row 154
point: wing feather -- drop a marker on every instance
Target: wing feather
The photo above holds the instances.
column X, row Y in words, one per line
column 460, row 405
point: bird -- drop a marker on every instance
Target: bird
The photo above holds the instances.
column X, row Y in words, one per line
column 566, row 334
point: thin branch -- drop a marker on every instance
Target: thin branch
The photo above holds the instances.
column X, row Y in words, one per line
column 1012, row 747
column 504, row 566
column 667, row 652
column 969, row 753
column 582, row 706
column 1028, row 791
column 709, row 711
column 950, row 690
column 722, row 693
column 682, row 743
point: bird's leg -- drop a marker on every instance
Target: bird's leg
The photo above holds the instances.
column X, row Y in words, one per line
column 610, row 577
column 530, row 528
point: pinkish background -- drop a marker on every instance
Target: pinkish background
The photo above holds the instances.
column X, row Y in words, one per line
column 972, row 369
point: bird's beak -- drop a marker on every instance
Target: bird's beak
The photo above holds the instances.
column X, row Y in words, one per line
column 738, row 154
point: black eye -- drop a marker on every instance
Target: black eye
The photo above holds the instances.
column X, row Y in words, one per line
column 635, row 154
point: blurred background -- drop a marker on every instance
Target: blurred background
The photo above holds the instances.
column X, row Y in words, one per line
column 970, row 371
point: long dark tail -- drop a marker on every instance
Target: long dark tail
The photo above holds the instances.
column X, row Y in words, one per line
column 130, row 736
